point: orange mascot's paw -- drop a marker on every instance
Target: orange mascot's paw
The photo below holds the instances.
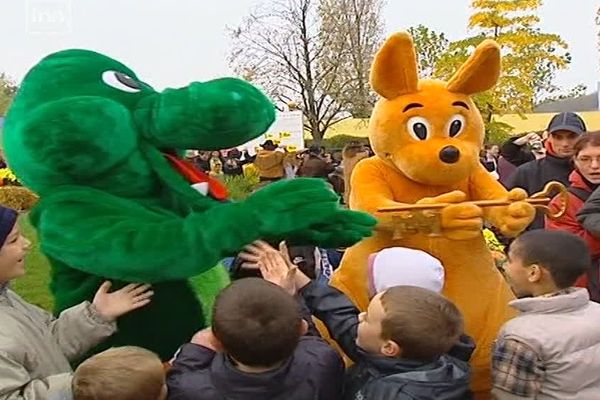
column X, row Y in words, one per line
column 517, row 216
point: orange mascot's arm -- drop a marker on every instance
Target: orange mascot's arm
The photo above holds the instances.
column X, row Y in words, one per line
column 370, row 191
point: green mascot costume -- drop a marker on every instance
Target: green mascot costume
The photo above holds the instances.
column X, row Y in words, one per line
column 100, row 147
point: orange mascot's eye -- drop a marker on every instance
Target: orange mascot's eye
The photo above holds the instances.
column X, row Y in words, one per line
column 456, row 125
column 418, row 127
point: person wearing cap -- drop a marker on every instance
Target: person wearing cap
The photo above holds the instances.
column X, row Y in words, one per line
column 400, row 266
column 269, row 162
column 563, row 131
column 35, row 348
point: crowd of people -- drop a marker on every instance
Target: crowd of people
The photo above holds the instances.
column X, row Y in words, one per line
column 273, row 162
column 410, row 342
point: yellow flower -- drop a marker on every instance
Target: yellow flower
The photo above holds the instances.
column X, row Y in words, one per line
column 7, row 174
column 492, row 242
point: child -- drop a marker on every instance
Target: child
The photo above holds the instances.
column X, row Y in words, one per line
column 256, row 350
column 551, row 350
column 101, row 376
column 399, row 345
column 35, row 347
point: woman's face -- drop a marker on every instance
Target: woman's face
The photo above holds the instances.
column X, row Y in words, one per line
column 587, row 162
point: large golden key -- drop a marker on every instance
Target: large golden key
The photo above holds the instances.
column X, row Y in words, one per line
column 425, row 218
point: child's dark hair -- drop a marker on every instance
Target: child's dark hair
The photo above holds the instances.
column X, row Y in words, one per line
column 423, row 323
column 257, row 322
column 563, row 254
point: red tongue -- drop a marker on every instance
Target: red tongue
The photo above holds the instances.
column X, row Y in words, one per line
column 193, row 175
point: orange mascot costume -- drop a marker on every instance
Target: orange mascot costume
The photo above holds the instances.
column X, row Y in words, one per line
column 426, row 135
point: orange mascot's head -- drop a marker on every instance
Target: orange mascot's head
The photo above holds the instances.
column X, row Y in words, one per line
column 430, row 130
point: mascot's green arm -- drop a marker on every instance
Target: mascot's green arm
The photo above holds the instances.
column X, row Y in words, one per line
column 100, row 235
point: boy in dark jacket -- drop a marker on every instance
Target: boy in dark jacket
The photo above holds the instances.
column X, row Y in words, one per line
column 256, row 349
column 404, row 346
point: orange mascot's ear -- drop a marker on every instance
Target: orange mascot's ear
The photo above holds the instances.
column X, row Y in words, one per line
column 480, row 72
column 394, row 69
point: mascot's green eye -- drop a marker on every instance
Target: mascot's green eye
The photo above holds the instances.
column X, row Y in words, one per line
column 121, row 81
column 456, row 125
column 418, row 127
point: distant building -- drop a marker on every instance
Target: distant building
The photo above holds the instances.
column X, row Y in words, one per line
column 587, row 102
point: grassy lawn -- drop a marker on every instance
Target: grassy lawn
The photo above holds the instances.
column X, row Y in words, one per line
column 34, row 285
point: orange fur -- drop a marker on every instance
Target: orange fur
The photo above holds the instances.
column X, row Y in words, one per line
column 407, row 170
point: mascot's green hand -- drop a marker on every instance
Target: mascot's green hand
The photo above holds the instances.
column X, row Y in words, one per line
column 285, row 208
column 344, row 229
column 217, row 114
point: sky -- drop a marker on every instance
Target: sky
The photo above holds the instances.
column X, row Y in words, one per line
column 170, row 43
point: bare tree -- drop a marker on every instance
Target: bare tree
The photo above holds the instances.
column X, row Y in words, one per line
column 8, row 89
column 352, row 32
column 279, row 47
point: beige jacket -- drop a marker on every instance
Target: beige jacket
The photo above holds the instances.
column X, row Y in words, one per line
column 348, row 164
column 564, row 331
column 269, row 163
column 35, row 347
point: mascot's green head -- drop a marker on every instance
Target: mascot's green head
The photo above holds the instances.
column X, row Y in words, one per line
column 82, row 118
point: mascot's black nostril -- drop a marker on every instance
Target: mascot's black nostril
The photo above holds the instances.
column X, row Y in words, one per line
column 449, row 154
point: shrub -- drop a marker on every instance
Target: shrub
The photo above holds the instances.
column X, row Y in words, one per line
column 18, row 197
column 241, row 186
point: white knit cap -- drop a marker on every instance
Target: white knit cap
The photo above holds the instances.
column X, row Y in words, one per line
column 400, row 266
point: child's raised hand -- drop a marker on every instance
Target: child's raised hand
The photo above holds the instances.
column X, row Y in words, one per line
column 275, row 269
column 110, row 306
column 252, row 254
column 300, row 278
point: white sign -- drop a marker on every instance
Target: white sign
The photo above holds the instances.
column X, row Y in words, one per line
column 287, row 131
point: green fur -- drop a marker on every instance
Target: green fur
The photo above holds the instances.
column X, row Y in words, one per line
column 113, row 208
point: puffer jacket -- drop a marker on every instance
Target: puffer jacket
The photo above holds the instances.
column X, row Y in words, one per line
column 35, row 347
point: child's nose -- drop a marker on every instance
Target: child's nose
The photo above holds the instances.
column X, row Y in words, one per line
column 361, row 317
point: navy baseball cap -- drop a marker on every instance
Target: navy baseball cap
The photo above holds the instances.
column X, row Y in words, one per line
column 8, row 219
column 567, row 121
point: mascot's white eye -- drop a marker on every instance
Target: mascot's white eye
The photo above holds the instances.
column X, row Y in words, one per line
column 456, row 125
column 418, row 127
column 121, row 81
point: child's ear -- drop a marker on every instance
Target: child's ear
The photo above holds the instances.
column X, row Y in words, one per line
column 391, row 349
column 394, row 69
column 303, row 327
column 480, row 72
column 536, row 273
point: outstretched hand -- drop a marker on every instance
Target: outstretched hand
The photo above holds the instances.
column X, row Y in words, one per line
column 275, row 266
column 111, row 306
